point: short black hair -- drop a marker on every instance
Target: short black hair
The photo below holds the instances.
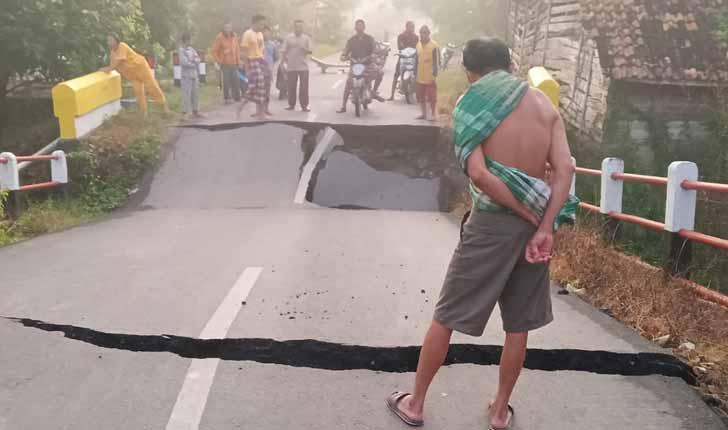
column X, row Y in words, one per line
column 115, row 36
column 485, row 54
column 360, row 21
column 258, row 18
column 186, row 37
column 267, row 28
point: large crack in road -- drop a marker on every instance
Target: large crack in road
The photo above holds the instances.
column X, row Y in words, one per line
column 335, row 356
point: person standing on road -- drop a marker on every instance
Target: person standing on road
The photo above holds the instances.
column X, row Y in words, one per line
column 407, row 39
column 296, row 49
column 190, row 64
column 134, row 67
column 505, row 133
column 256, row 67
column 428, row 67
column 226, row 52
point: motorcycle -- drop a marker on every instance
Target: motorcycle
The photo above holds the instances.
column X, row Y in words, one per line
column 447, row 54
column 361, row 92
column 407, row 73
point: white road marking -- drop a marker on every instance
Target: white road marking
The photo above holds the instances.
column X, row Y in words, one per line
column 321, row 150
column 190, row 405
column 338, row 83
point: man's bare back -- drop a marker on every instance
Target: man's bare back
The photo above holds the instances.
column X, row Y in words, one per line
column 523, row 140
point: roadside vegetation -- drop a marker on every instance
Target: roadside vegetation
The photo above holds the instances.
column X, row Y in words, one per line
column 105, row 169
column 108, row 165
column 451, row 84
column 661, row 308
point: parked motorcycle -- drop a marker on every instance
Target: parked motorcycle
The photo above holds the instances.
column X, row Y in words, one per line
column 447, row 54
column 408, row 73
column 361, row 92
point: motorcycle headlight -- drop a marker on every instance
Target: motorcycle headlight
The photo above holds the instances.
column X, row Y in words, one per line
column 358, row 69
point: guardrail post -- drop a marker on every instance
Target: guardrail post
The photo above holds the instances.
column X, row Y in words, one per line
column 59, row 170
column 10, row 181
column 680, row 215
column 611, row 194
column 9, row 176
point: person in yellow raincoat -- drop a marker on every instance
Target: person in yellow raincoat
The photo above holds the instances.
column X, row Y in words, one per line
column 134, row 67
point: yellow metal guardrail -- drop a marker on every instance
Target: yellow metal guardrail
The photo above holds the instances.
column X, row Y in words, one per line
column 82, row 104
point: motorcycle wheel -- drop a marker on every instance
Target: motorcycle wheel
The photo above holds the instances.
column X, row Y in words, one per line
column 357, row 109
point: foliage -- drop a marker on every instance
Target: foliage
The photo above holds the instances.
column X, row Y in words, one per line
column 210, row 16
column 3, row 199
column 57, row 39
column 721, row 26
column 649, row 143
column 327, row 16
column 167, row 20
column 460, row 20
column 49, row 40
column 451, row 84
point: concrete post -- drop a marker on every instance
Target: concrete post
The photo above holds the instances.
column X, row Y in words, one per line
column 680, row 210
column 611, row 195
column 680, row 215
column 9, row 176
column 59, row 168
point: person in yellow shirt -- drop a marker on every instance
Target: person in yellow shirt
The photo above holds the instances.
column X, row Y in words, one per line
column 134, row 67
column 428, row 67
column 252, row 51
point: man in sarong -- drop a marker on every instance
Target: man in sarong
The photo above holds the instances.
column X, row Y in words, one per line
column 505, row 133
column 252, row 51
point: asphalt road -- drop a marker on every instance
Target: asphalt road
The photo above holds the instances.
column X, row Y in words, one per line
column 222, row 299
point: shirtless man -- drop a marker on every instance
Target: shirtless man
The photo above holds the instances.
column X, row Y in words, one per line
column 506, row 246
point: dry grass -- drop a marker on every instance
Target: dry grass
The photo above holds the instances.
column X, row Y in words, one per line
column 451, row 84
column 653, row 303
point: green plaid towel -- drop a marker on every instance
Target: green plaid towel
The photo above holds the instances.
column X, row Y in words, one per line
column 479, row 112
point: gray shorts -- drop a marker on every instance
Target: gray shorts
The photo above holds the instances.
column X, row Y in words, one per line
column 489, row 267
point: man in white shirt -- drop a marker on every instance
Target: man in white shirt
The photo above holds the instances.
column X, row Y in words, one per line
column 296, row 49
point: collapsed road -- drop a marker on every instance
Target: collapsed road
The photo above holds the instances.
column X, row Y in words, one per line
column 279, row 275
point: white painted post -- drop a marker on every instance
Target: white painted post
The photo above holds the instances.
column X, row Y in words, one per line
column 611, row 196
column 572, row 191
column 680, row 210
column 59, row 168
column 9, row 176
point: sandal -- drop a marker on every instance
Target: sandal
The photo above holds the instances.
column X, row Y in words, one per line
column 511, row 414
column 393, row 404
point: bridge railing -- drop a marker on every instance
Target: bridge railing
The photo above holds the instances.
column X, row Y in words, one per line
column 682, row 185
column 11, row 165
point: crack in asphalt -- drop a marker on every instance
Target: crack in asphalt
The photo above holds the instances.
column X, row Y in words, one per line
column 335, row 356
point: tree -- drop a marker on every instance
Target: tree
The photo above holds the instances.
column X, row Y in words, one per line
column 57, row 39
column 210, row 16
column 167, row 20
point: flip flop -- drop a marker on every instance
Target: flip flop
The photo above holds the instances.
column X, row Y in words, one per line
column 511, row 414
column 393, row 405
